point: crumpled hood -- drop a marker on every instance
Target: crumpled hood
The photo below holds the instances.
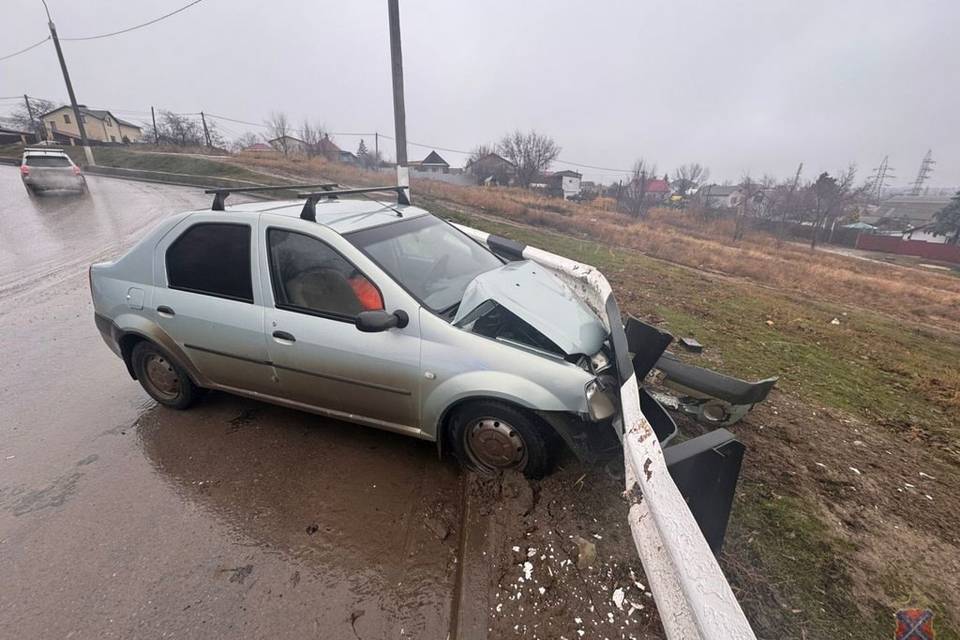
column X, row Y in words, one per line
column 541, row 299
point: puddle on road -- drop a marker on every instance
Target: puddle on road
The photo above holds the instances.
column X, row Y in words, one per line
column 369, row 517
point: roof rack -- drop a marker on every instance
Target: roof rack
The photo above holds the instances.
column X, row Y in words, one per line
column 220, row 194
column 309, row 211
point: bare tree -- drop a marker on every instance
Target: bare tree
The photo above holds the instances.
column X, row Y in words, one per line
column 633, row 196
column 244, row 140
column 833, row 198
column 531, row 154
column 480, row 152
column 688, row 177
column 751, row 193
column 176, row 129
column 485, row 165
column 312, row 134
column 22, row 120
column 279, row 127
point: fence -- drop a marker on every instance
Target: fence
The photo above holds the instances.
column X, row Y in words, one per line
column 919, row 248
column 693, row 596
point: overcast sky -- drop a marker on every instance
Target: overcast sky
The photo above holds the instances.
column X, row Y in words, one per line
column 738, row 86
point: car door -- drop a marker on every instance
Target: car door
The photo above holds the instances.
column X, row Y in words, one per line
column 207, row 302
column 320, row 356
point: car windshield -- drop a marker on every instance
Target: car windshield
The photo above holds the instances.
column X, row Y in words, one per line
column 47, row 161
column 430, row 258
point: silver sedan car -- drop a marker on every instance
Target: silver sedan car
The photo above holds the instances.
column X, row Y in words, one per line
column 370, row 312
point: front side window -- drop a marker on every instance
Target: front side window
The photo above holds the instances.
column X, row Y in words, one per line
column 308, row 275
column 214, row 259
column 431, row 259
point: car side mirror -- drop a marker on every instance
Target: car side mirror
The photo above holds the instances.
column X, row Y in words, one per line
column 376, row 321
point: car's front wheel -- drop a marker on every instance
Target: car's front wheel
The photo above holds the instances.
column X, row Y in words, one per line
column 489, row 437
column 161, row 377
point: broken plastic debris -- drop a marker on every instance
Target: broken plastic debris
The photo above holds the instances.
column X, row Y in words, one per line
column 527, row 570
column 835, row 321
column 855, row 470
column 618, row 598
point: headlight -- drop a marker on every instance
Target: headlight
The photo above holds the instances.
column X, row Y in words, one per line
column 600, row 403
column 600, row 362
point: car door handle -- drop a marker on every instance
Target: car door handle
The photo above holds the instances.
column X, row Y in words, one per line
column 283, row 336
column 165, row 311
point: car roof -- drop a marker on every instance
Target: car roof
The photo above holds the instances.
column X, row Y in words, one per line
column 45, row 152
column 343, row 216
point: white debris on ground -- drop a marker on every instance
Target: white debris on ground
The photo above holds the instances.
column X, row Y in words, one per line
column 537, row 573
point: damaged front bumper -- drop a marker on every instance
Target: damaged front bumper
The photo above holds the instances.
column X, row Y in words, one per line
column 711, row 398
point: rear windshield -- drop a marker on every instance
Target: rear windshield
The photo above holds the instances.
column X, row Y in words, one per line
column 47, row 161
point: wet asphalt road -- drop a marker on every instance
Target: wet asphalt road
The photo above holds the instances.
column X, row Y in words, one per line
column 119, row 519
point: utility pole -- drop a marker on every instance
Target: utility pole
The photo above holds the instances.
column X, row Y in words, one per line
column 376, row 151
column 156, row 134
column 788, row 204
column 399, row 113
column 33, row 121
column 206, row 132
column 66, row 78
column 926, row 168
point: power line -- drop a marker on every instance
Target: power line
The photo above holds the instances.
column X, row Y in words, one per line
column 589, row 166
column 24, row 50
column 252, row 124
column 559, row 161
column 135, row 27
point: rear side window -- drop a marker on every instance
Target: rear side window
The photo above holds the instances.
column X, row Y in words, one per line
column 308, row 275
column 212, row 258
column 47, row 161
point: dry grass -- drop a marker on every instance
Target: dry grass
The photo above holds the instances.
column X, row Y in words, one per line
column 679, row 237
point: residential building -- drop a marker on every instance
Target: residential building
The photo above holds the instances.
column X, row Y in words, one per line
column 912, row 215
column 9, row 135
column 656, row 190
column 259, row 147
column 100, row 126
column 492, row 169
column 433, row 163
column 906, row 212
column 561, row 184
column 289, row 145
column 329, row 150
column 717, row 196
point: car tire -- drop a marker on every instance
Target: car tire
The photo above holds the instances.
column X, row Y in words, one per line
column 161, row 377
column 490, row 437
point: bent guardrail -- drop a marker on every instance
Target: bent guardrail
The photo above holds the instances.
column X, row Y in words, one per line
column 692, row 594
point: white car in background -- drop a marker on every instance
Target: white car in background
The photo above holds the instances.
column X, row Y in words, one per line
column 44, row 169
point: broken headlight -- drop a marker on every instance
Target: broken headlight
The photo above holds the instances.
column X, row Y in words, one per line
column 596, row 364
column 601, row 402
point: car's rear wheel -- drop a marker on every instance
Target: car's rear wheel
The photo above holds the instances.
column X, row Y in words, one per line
column 162, row 377
column 490, row 437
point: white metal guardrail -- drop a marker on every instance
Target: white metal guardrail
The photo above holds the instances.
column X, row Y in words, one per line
column 693, row 596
